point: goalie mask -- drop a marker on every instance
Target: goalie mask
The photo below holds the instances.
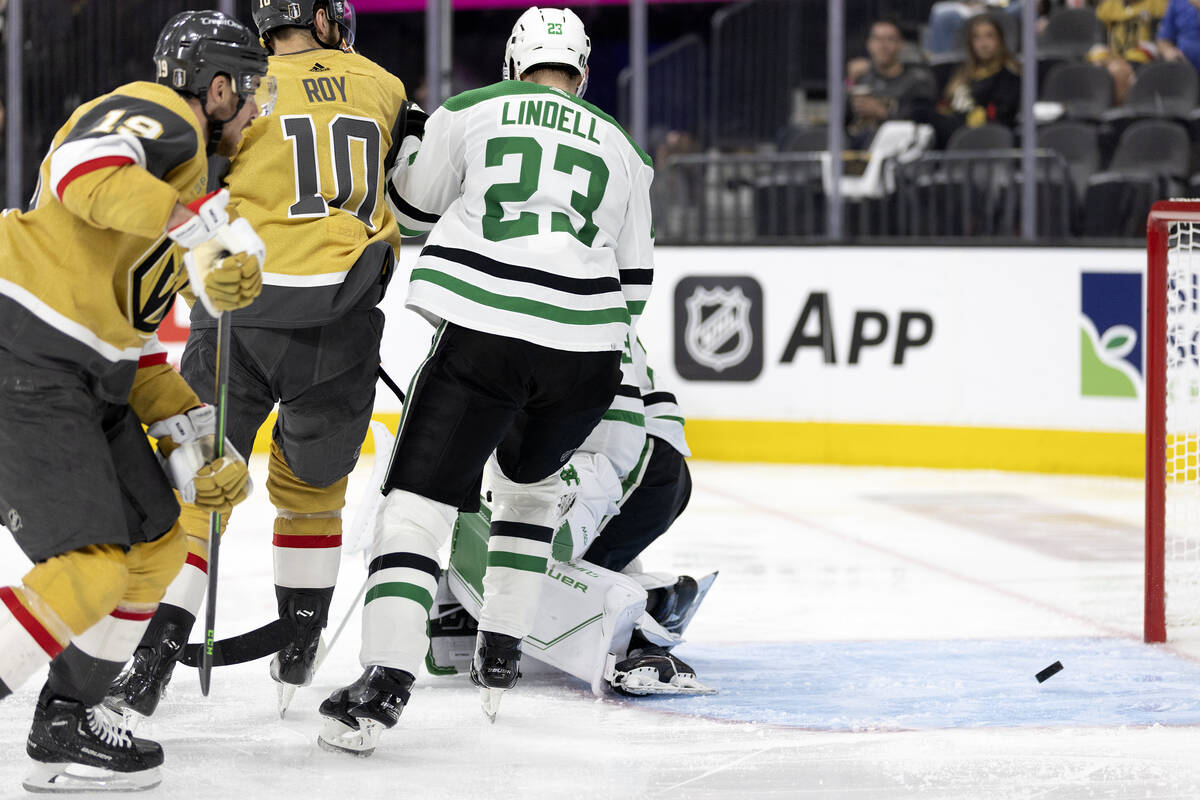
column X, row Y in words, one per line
column 271, row 15
column 548, row 36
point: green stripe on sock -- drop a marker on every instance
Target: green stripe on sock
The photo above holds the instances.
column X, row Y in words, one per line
column 401, row 589
column 499, row 558
column 616, row 415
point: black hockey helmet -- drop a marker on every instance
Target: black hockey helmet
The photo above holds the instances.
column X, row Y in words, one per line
column 196, row 46
column 271, row 15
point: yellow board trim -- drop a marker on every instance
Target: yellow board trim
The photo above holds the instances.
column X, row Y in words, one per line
column 936, row 446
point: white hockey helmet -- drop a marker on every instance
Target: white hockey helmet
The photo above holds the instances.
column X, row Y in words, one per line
column 547, row 36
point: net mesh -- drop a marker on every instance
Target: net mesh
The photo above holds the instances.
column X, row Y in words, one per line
column 1182, row 519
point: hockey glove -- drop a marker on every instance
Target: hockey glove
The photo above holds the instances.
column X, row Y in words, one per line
column 407, row 133
column 224, row 259
column 185, row 450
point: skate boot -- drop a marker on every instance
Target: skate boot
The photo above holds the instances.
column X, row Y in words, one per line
column 143, row 682
column 77, row 748
column 295, row 664
column 357, row 715
column 652, row 669
column 495, row 668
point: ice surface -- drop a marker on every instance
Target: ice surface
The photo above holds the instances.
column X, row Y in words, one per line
column 874, row 633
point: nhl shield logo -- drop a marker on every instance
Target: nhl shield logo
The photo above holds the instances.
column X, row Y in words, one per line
column 718, row 328
column 718, row 333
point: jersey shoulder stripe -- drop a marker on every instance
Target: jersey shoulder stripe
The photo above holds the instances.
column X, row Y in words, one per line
column 139, row 123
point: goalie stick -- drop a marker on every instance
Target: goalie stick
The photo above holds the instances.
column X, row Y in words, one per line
column 276, row 634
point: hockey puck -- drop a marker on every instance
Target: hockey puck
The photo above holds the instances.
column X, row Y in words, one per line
column 1049, row 672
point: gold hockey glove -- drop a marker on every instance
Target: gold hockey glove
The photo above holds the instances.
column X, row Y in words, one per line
column 224, row 259
column 185, row 450
column 221, row 484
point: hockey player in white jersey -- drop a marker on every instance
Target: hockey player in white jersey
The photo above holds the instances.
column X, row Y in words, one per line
column 623, row 488
column 536, row 269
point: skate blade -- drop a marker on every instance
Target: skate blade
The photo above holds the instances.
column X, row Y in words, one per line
column 489, row 699
column 337, row 737
column 640, row 685
column 68, row 777
column 286, row 692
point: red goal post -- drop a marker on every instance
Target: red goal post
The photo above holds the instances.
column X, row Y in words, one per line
column 1172, row 522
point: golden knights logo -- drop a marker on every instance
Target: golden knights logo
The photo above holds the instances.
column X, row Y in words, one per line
column 718, row 328
column 152, row 283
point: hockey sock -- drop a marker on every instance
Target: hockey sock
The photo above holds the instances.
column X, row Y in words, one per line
column 523, row 519
column 27, row 636
column 402, row 580
column 307, row 552
column 518, row 553
column 84, row 670
column 185, row 594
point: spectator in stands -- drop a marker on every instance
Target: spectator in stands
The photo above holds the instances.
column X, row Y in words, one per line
column 947, row 17
column 888, row 89
column 1179, row 33
column 1131, row 27
column 986, row 88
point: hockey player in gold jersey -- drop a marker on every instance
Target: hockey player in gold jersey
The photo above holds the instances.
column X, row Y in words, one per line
column 310, row 181
column 120, row 222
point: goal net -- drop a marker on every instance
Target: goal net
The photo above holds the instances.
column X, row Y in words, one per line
column 1172, row 596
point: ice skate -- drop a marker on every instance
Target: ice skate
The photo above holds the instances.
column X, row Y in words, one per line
column 651, row 669
column 140, row 687
column 295, row 664
column 78, row 749
column 357, row 715
column 495, row 669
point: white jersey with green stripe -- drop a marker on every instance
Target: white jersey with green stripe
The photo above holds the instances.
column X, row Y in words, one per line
column 639, row 408
column 539, row 205
column 662, row 414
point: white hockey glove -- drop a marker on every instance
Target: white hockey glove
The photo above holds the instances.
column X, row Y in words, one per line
column 186, row 448
column 224, row 259
column 590, row 492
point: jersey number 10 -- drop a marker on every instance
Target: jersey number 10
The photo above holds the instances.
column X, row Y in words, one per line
column 310, row 201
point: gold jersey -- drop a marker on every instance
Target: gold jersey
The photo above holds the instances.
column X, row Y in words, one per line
column 87, row 275
column 310, row 179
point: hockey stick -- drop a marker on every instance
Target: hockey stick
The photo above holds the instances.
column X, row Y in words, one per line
column 221, row 387
column 276, row 634
column 362, row 590
column 391, row 384
column 249, row 646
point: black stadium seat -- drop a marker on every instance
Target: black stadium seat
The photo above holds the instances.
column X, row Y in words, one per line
column 1084, row 90
column 1150, row 163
